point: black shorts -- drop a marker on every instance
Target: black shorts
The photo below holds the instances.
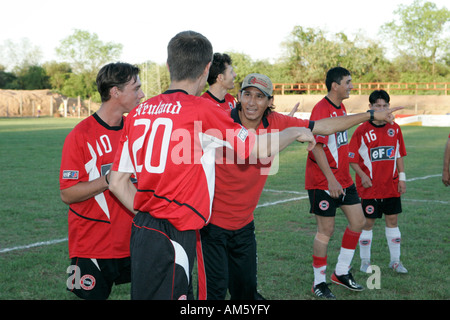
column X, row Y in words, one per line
column 162, row 259
column 374, row 208
column 323, row 204
column 92, row 279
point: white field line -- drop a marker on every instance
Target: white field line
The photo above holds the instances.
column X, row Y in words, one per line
column 262, row 205
column 425, row 177
column 37, row 244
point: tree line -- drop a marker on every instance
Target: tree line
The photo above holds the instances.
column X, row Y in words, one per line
column 419, row 35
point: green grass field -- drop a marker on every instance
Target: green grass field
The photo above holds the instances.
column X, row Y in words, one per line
column 31, row 212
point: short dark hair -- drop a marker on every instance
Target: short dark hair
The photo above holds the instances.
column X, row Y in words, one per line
column 335, row 75
column 379, row 94
column 188, row 53
column 218, row 66
column 115, row 75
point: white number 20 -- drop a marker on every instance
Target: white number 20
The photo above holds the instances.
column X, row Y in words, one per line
column 139, row 142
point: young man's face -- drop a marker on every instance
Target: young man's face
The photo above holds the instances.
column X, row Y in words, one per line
column 344, row 88
column 131, row 94
column 228, row 77
column 379, row 105
column 254, row 103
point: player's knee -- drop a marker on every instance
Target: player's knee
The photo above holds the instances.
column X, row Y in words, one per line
column 322, row 238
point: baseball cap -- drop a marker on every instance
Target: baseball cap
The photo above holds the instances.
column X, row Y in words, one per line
column 259, row 81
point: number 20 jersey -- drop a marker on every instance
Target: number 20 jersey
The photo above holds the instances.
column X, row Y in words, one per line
column 170, row 142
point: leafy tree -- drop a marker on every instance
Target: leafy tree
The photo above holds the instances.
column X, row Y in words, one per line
column 20, row 54
column 8, row 80
column 33, row 77
column 58, row 73
column 86, row 54
column 421, row 31
column 311, row 53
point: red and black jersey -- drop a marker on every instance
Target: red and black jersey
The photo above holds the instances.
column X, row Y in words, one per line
column 336, row 150
column 228, row 103
column 239, row 183
column 170, row 142
column 99, row 227
column 376, row 150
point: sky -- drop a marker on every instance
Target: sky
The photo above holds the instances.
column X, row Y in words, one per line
column 144, row 27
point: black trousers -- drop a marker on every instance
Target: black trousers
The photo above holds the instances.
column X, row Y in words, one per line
column 230, row 262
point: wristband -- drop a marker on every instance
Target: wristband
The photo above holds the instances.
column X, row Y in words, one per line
column 402, row 176
column 106, row 179
column 372, row 116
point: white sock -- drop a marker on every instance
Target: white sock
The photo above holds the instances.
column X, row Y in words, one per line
column 393, row 237
column 365, row 244
column 344, row 260
column 319, row 274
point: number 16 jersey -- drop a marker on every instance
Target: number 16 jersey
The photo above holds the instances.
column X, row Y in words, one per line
column 376, row 148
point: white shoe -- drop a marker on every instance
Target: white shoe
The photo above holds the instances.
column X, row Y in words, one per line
column 397, row 266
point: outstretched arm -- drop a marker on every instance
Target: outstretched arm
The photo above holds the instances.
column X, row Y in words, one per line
column 331, row 125
column 267, row 145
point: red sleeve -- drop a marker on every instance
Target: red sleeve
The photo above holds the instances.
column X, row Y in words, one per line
column 402, row 148
column 72, row 168
column 320, row 111
column 353, row 152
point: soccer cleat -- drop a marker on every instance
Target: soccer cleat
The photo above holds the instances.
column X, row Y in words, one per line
column 397, row 266
column 322, row 291
column 347, row 281
column 365, row 266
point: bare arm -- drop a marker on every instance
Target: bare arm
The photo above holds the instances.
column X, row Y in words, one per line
column 269, row 144
column 446, row 169
column 365, row 179
column 334, row 187
column 122, row 187
column 327, row 126
column 84, row 190
column 401, row 168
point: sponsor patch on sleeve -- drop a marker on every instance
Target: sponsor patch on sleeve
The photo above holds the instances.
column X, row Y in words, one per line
column 70, row 174
column 243, row 134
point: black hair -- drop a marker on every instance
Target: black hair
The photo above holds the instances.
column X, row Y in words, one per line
column 335, row 75
column 379, row 94
column 115, row 75
column 218, row 66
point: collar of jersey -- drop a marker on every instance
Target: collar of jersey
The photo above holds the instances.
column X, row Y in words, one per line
column 332, row 103
column 175, row 91
column 107, row 126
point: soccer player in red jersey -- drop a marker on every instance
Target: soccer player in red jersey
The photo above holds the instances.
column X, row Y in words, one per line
column 221, row 79
column 376, row 155
column 330, row 186
column 169, row 142
column 99, row 225
column 446, row 168
column 228, row 241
